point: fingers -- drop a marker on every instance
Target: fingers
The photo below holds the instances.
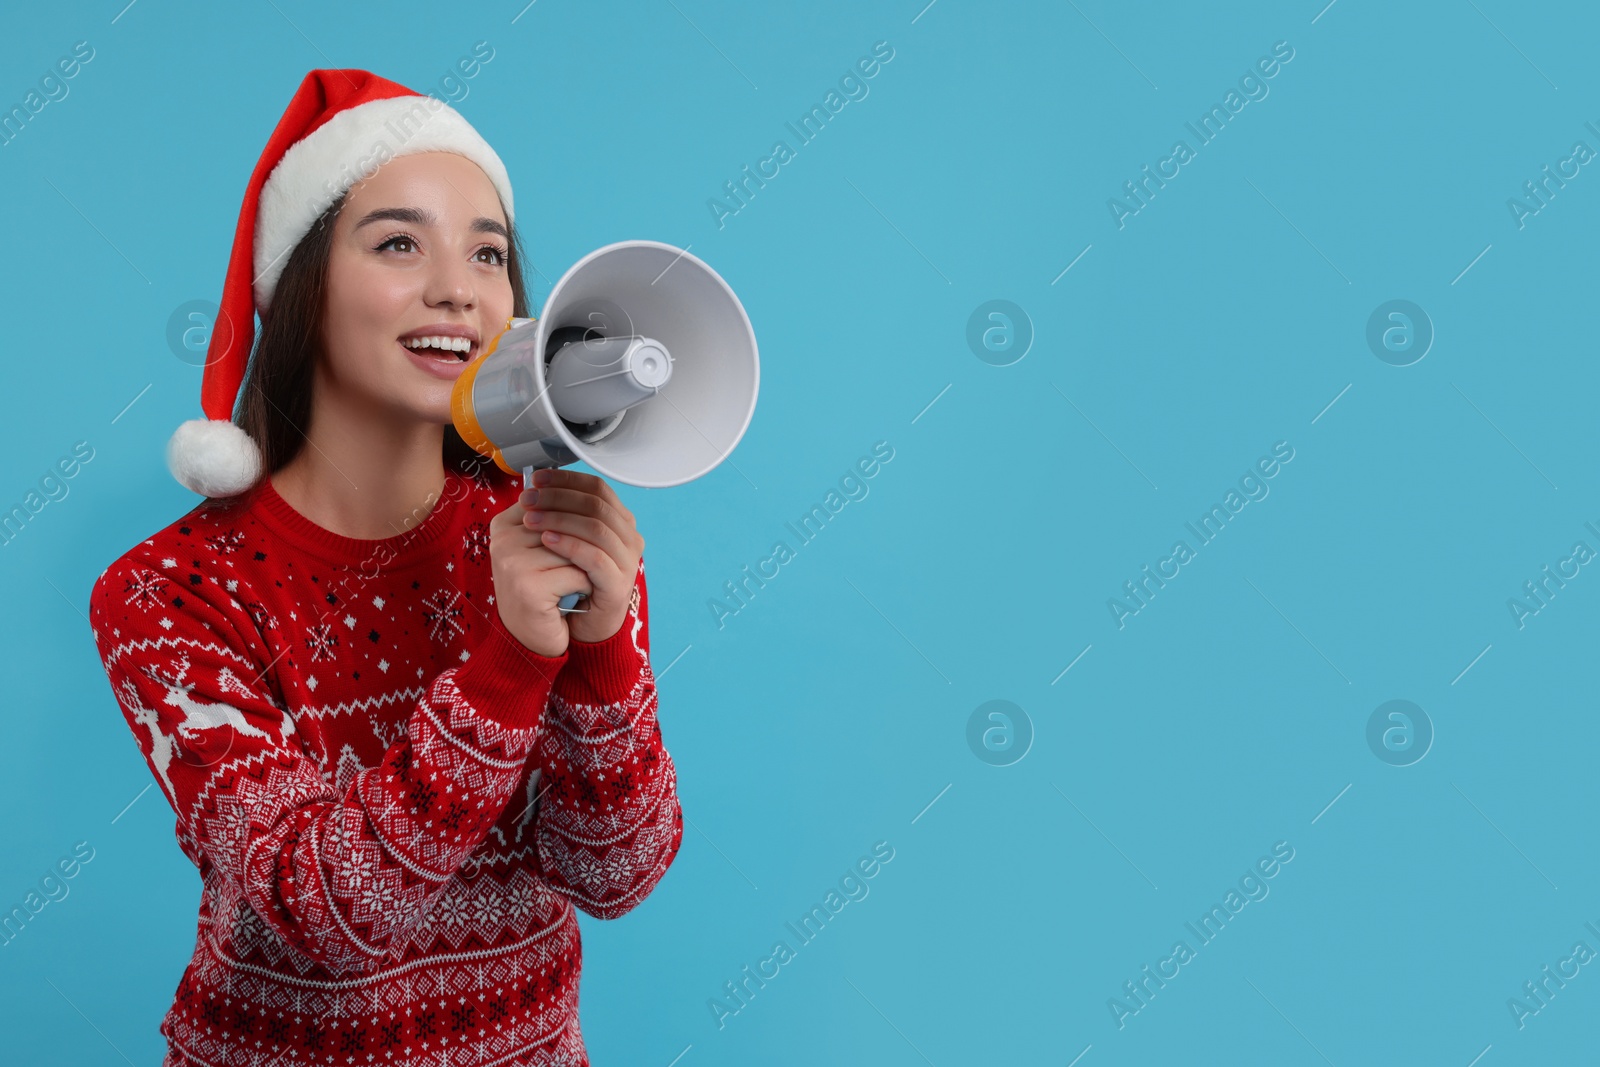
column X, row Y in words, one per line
column 548, row 515
column 577, row 581
column 524, row 538
column 595, row 561
column 561, row 478
column 586, row 516
column 509, row 517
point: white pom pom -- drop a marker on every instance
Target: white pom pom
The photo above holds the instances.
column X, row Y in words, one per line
column 213, row 457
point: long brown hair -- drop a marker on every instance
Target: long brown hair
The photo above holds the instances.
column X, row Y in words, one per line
column 275, row 400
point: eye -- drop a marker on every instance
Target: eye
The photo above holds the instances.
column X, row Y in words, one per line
column 499, row 252
column 391, row 240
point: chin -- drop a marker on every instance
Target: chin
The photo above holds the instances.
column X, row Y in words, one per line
column 427, row 402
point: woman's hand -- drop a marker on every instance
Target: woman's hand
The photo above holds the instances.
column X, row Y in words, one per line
column 529, row 582
column 579, row 517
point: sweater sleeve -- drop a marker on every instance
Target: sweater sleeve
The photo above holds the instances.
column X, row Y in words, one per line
column 341, row 878
column 608, row 821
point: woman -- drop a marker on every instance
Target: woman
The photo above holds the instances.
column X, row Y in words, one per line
column 396, row 764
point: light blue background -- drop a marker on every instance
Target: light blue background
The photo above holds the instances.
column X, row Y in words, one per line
column 828, row 714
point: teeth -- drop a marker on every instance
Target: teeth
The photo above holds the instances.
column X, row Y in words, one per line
column 446, row 344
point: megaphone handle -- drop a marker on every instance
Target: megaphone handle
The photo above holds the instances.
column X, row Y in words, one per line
column 568, row 603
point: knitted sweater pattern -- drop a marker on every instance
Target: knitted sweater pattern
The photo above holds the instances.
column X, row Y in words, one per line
column 394, row 806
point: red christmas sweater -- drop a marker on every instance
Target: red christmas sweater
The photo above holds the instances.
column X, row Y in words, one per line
column 393, row 804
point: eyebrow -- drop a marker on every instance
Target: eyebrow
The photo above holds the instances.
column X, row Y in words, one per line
column 420, row 217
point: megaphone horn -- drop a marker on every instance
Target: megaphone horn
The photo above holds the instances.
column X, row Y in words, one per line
column 643, row 365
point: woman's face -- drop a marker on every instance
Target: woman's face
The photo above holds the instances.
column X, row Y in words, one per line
column 419, row 250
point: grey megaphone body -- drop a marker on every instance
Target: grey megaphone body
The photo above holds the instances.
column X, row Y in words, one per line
column 643, row 365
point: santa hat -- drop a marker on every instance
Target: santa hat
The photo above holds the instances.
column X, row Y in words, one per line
column 340, row 126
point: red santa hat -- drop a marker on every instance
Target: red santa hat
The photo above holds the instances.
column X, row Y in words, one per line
column 340, row 127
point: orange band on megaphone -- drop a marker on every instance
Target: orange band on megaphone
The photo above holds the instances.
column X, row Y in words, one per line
column 466, row 419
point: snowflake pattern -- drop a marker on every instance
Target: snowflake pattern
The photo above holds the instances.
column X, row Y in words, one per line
column 487, row 911
column 442, row 612
column 454, row 911
column 475, row 542
column 586, row 868
column 144, row 590
column 261, row 616
column 384, row 895
column 226, row 543
column 321, row 641
column 521, row 902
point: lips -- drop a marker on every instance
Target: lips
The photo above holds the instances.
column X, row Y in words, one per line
column 451, row 342
column 442, row 347
column 437, row 364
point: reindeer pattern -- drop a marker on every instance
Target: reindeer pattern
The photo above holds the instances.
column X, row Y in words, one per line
column 198, row 716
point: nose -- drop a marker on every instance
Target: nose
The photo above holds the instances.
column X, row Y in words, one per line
column 450, row 284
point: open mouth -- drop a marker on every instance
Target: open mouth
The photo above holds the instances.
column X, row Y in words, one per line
column 444, row 349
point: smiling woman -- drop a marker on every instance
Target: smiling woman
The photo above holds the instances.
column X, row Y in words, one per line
column 356, row 284
column 397, row 765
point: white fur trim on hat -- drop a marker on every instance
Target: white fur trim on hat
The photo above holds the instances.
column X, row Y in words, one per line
column 317, row 169
column 213, row 457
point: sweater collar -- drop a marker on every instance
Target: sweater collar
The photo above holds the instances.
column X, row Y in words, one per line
column 299, row 531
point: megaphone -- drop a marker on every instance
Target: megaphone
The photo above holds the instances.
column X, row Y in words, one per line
column 643, row 365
